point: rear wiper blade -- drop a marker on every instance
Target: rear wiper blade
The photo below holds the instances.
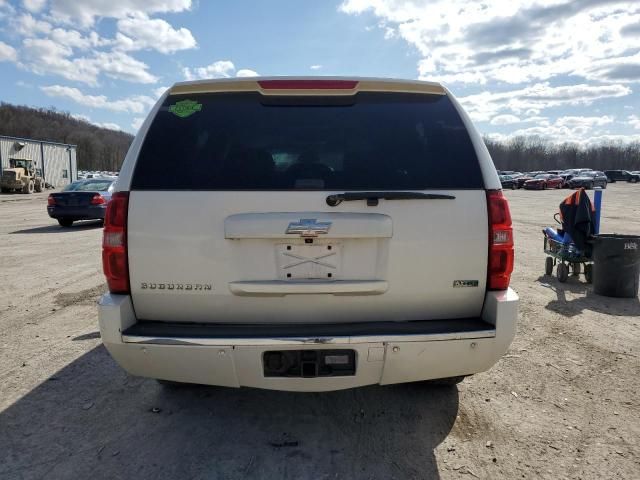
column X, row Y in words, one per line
column 373, row 197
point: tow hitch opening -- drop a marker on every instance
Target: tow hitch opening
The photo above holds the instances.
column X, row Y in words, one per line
column 309, row 363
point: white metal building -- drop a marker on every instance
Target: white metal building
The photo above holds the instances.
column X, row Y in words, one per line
column 56, row 161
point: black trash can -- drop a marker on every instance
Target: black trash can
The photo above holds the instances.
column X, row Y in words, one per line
column 616, row 265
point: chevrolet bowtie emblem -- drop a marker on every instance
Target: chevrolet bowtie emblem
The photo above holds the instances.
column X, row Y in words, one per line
column 308, row 227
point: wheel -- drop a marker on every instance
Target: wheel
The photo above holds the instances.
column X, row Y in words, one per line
column 544, row 186
column 604, row 186
column 548, row 266
column 65, row 222
column 29, row 187
column 562, row 272
column 513, row 186
column 588, row 272
column 634, row 180
column 39, row 187
column 575, row 269
column 612, row 180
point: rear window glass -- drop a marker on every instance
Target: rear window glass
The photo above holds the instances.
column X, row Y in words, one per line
column 246, row 141
column 94, row 186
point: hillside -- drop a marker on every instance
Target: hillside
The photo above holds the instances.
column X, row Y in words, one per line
column 98, row 148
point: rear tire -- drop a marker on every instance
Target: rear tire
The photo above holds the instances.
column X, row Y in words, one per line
column 548, row 266
column 634, row 180
column 575, row 269
column 65, row 222
column 40, row 187
column 29, row 187
column 562, row 272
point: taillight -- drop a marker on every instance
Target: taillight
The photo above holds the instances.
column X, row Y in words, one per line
column 308, row 84
column 115, row 262
column 51, row 201
column 97, row 199
column 501, row 253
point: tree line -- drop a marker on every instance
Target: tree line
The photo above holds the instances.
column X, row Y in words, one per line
column 526, row 154
column 104, row 149
column 97, row 148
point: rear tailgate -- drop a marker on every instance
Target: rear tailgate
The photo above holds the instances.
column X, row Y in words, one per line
column 199, row 260
column 229, row 221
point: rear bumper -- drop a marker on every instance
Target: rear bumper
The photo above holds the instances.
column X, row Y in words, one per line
column 229, row 358
column 89, row 212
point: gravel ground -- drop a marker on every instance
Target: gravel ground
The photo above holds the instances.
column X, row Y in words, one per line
column 561, row 404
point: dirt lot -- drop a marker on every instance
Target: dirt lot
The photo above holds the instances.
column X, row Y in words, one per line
column 563, row 403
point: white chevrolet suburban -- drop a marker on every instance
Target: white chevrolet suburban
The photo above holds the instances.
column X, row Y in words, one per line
column 307, row 234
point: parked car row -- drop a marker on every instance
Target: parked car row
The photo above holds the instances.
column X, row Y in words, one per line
column 85, row 174
column 572, row 178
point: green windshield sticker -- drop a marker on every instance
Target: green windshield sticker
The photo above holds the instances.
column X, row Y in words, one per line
column 185, row 108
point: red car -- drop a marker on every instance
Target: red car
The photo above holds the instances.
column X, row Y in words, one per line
column 544, row 181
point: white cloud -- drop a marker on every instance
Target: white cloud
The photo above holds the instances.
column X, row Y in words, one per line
column 109, row 125
column 45, row 56
column 6, row 10
column 245, row 72
column 634, row 121
column 78, row 53
column 26, row 25
column 515, row 41
column 137, row 123
column 316, row 67
column 81, row 117
column 132, row 104
column 121, row 66
column 86, row 118
column 575, row 129
column 74, row 39
column 139, row 32
column 504, row 120
column 84, row 12
column 575, row 121
column 530, row 100
column 34, row 5
column 7, row 53
column 158, row 92
column 219, row 69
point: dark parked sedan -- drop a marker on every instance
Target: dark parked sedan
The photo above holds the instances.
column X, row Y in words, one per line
column 623, row 175
column 544, row 181
column 508, row 181
column 84, row 200
column 588, row 180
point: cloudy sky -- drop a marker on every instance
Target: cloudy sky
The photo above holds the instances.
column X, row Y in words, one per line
column 565, row 70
